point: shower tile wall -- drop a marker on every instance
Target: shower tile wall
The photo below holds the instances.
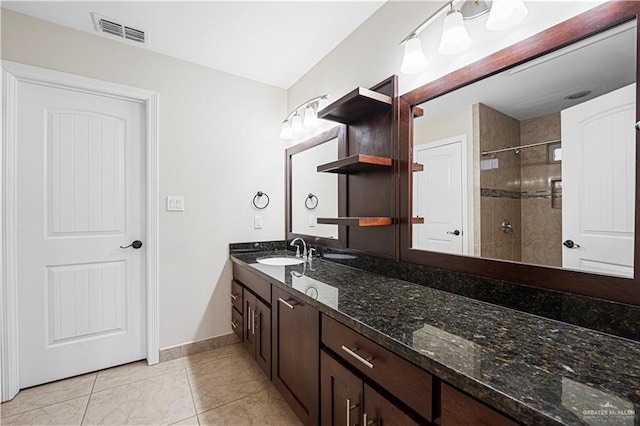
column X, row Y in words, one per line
column 541, row 223
column 500, row 187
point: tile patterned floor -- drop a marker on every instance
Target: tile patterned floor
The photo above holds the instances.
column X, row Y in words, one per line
column 220, row 387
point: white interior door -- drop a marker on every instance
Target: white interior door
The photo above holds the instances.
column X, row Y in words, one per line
column 81, row 195
column 598, row 179
column 439, row 197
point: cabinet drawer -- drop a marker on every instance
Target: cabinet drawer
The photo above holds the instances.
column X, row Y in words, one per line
column 236, row 322
column 259, row 286
column 407, row 382
column 236, row 295
column 459, row 408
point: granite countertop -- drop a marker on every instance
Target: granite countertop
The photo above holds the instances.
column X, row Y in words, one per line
column 538, row 371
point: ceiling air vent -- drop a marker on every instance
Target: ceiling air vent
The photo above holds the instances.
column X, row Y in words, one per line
column 109, row 26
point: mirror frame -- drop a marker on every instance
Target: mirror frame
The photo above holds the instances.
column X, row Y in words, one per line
column 618, row 289
column 339, row 132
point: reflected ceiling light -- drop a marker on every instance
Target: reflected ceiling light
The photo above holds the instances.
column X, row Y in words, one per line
column 294, row 124
column 414, row 60
column 455, row 37
column 506, row 14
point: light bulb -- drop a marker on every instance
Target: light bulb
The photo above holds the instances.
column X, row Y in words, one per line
column 455, row 37
column 506, row 14
column 310, row 118
column 414, row 60
column 296, row 125
column 285, row 131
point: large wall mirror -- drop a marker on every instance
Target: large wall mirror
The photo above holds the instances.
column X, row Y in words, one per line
column 523, row 166
column 311, row 194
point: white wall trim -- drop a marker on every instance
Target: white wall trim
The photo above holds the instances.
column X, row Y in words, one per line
column 12, row 74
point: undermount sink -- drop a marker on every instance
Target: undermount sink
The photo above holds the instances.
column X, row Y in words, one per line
column 280, row 260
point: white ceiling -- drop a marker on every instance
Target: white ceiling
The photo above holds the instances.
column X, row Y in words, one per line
column 268, row 41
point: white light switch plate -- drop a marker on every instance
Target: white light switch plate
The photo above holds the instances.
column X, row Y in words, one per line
column 175, row 203
column 313, row 221
column 257, row 222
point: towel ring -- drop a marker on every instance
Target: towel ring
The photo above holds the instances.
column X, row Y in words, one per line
column 309, row 203
column 257, row 197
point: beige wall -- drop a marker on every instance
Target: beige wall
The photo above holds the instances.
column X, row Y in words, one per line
column 208, row 153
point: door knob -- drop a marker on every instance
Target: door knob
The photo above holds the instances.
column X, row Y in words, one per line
column 637, row 126
column 456, row 232
column 136, row 245
column 570, row 244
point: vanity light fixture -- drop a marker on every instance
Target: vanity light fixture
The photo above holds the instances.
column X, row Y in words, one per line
column 294, row 124
column 503, row 14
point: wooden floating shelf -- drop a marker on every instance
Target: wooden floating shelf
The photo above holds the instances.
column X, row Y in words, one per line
column 355, row 163
column 417, row 112
column 417, row 167
column 417, row 220
column 357, row 221
column 355, row 105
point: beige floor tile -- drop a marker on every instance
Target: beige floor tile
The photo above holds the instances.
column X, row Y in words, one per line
column 215, row 354
column 263, row 408
column 48, row 394
column 133, row 372
column 192, row 421
column 159, row 400
column 221, row 380
column 63, row 413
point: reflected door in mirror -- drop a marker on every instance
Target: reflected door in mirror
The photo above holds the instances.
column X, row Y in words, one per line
column 598, row 173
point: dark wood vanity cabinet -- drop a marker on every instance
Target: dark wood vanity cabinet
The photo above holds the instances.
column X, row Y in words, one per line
column 410, row 386
column 256, row 315
column 296, row 351
column 349, row 400
column 237, row 320
column 257, row 330
column 459, row 409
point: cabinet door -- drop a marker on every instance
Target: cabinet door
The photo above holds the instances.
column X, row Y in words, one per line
column 296, row 356
column 341, row 394
column 379, row 411
column 459, row 409
column 249, row 326
column 262, row 318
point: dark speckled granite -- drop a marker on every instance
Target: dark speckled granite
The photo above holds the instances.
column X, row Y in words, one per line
column 602, row 315
column 537, row 370
column 257, row 246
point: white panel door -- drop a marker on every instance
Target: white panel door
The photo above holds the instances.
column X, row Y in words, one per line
column 598, row 179
column 81, row 298
column 438, row 197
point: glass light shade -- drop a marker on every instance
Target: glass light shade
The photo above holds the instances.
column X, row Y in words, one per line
column 506, row 14
column 414, row 60
column 296, row 125
column 285, row 131
column 455, row 37
column 310, row 117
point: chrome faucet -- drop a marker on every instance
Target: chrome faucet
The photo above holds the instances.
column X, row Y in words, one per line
column 304, row 247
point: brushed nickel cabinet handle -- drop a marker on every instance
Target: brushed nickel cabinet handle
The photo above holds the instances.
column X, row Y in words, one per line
column 285, row 303
column 253, row 322
column 366, row 421
column 248, row 317
column 234, row 324
column 234, row 297
column 352, row 352
column 350, row 407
